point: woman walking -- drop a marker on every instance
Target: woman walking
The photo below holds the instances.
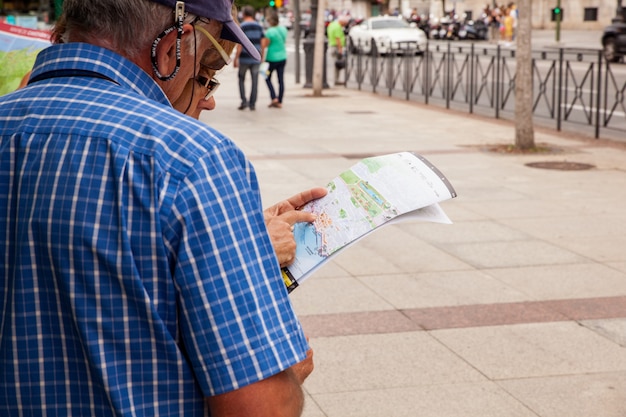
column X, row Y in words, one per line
column 274, row 44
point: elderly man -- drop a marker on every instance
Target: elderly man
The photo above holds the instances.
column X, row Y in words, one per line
column 337, row 44
column 138, row 275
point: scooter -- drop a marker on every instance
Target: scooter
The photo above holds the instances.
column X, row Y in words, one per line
column 434, row 29
column 473, row 30
column 452, row 31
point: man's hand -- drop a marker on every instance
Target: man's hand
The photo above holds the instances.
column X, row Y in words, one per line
column 280, row 219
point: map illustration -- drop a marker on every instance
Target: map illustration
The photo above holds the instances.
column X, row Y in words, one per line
column 372, row 193
column 19, row 47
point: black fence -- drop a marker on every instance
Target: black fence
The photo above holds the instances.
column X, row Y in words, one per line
column 574, row 90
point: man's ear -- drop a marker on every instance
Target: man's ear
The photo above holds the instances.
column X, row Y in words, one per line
column 166, row 49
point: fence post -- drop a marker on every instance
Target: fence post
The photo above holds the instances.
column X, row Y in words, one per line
column 598, row 93
column 426, row 79
column 374, row 71
column 471, row 80
column 448, row 75
column 560, row 93
column 497, row 89
column 390, row 67
column 606, row 95
column 408, row 60
column 359, row 66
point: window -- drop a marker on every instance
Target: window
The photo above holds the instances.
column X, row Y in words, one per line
column 591, row 14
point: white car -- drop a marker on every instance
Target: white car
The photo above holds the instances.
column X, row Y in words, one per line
column 386, row 34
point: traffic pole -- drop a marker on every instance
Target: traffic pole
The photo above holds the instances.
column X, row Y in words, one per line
column 558, row 20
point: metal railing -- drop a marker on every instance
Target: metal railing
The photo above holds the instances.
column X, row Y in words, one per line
column 572, row 89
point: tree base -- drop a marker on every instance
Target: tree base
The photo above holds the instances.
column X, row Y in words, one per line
column 540, row 149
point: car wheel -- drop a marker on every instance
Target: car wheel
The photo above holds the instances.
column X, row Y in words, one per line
column 609, row 50
column 373, row 48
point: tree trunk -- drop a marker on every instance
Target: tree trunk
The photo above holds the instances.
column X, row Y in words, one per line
column 318, row 51
column 524, row 130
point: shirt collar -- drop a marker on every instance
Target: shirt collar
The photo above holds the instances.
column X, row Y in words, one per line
column 86, row 57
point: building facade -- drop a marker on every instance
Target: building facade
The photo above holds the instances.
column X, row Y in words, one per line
column 577, row 14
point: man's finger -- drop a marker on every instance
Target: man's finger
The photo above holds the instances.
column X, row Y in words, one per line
column 304, row 197
column 296, row 216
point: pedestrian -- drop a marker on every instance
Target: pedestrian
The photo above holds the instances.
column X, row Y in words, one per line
column 494, row 24
column 276, row 54
column 247, row 63
column 515, row 16
column 508, row 22
column 139, row 277
column 337, row 44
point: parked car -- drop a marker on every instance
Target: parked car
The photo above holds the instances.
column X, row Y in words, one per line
column 385, row 35
column 614, row 39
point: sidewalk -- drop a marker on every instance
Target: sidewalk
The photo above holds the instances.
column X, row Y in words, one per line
column 518, row 309
column 572, row 39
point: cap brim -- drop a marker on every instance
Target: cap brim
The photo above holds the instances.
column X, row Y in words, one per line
column 232, row 32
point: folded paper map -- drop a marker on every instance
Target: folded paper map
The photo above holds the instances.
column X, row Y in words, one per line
column 19, row 47
column 376, row 191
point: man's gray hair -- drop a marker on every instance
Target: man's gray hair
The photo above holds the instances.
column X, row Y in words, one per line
column 248, row 11
column 124, row 26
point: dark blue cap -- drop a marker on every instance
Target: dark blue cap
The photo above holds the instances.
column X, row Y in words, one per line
column 220, row 10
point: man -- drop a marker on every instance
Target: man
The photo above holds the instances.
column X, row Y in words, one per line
column 246, row 62
column 337, row 43
column 138, row 276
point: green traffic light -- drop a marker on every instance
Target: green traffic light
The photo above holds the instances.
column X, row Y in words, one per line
column 272, row 3
column 557, row 10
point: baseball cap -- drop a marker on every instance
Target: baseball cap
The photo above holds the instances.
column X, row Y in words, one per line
column 220, row 10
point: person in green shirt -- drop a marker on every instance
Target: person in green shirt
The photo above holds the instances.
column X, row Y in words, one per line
column 274, row 42
column 337, row 42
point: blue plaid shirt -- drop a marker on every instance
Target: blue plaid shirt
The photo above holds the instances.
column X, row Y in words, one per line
column 137, row 276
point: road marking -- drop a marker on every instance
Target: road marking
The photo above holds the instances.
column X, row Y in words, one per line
column 593, row 110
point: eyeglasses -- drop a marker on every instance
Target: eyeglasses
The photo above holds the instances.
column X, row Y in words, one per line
column 211, row 84
column 214, row 59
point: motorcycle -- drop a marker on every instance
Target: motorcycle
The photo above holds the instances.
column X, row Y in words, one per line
column 434, row 29
column 452, row 30
column 473, row 30
column 446, row 29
